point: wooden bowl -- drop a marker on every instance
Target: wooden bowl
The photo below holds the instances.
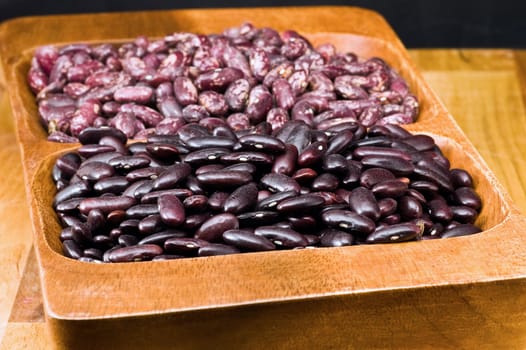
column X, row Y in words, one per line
column 408, row 295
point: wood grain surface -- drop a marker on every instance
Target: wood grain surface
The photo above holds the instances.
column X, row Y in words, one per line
column 484, row 90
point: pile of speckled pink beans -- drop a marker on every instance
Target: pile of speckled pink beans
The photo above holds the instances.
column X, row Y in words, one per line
column 244, row 141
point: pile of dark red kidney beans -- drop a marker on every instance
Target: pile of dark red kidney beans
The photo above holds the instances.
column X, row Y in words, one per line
column 246, row 141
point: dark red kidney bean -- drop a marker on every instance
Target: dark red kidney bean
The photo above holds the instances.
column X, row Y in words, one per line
column 246, row 167
column 205, row 156
column 325, row 182
column 300, row 204
column 208, row 167
column 183, row 134
column 87, row 151
column 286, row 162
column 242, row 199
column 279, row 183
column 379, row 141
column 409, row 208
column 395, row 233
column 306, row 223
column 196, row 203
column 340, row 142
column 372, row 176
column 224, row 131
column 424, row 187
column 246, row 240
column 96, row 220
column 420, row 142
column 193, row 221
column 257, row 158
column 153, row 196
column 128, row 226
column 335, row 238
column 127, row 240
column 263, row 143
column 282, row 237
column 115, row 217
column 92, row 135
column 150, row 224
column 78, row 189
column 68, row 164
column 387, row 206
column 68, row 205
column 464, row 214
column 273, row 200
column 185, row 91
column 262, row 194
column 312, row 240
column 363, row 202
column 439, row 210
column 106, row 204
column 312, row 154
column 163, row 151
column 335, row 163
column 159, row 238
column 194, row 185
column 214, row 249
column 140, row 211
column 135, row 253
column 228, row 178
column 129, row 162
column 217, row 200
column 460, row 230
column 171, row 176
column 365, row 151
column 236, row 95
column 217, row 79
column 71, row 249
column 171, row 210
column 394, row 164
column 212, row 229
column 259, row 103
column 389, row 188
column 330, row 198
column 299, row 137
column 430, row 174
column 184, row 245
column 354, row 171
column 95, row 171
column 348, row 221
column 92, row 253
column 468, row 197
column 460, row 178
column 416, row 195
column 258, row 218
column 201, row 142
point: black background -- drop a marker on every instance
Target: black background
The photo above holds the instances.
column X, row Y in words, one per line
column 442, row 23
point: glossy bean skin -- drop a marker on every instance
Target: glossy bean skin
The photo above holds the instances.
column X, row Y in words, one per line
column 242, row 199
column 212, row 229
column 348, row 221
column 171, row 210
column 362, row 201
column 282, row 237
column 135, row 253
column 394, row 233
column 300, row 204
column 460, row 230
column 335, row 238
column 247, row 240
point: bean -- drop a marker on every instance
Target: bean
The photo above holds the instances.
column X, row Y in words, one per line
column 106, row 204
column 373, row 176
column 397, row 165
column 389, row 188
column 185, row 91
column 257, row 218
column 387, row 206
column 218, row 79
column 242, row 199
column 460, row 178
column 439, row 210
column 279, row 183
column 153, row 196
column 171, row 210
column 286, row 162
column 335, row 238
column 135, row 253
column 263, row 143
column 282, row 237
column 209, row 155
column 93, row 135
column 140, row 211
column 312, row 154
column 137, row 94
column 202, row 142
column 300, row 204
column 394, row 233
column 247, row 240
column 95, row 171
column 259, row 103
column 348, row 221
column 325, row 182
column 150, row 224
column 78, row 189
column 363, row 202
column 229, row 178
column 171, row 176
column 127, row 240
column 214, row 249
column 460, row 230
column 212, row 229
column 468, row 197
column 159, row 238
column 71, row 249
column 409, row 208
column 246, row 167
